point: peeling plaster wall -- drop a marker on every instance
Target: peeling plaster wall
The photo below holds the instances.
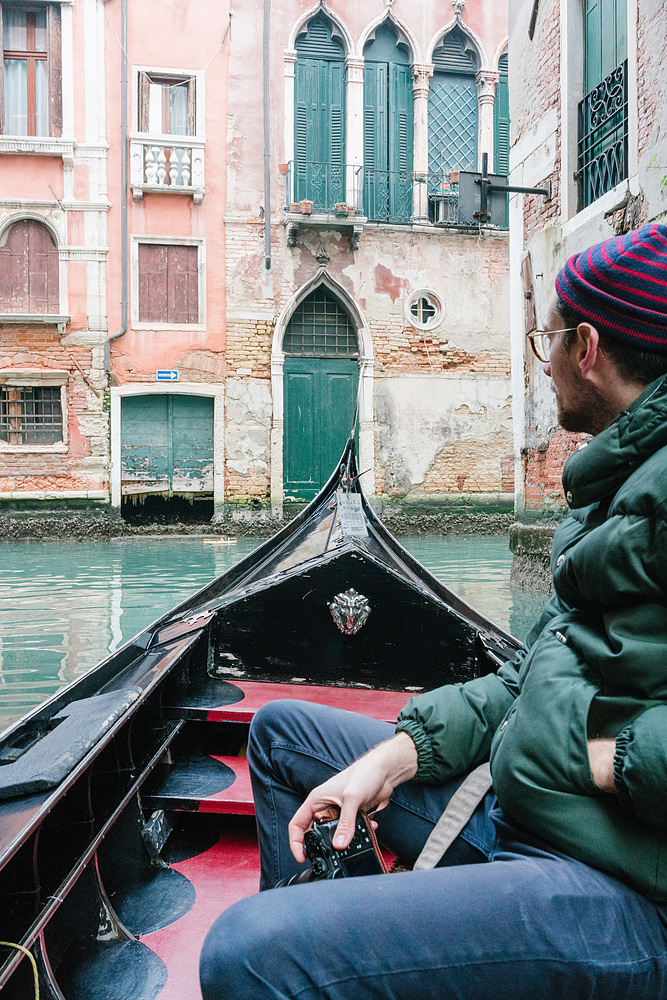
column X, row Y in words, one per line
column 248, row 418
column 451, row 382
column 440, row 434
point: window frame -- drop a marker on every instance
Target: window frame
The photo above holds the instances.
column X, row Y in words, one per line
column 54, row 60
column 200, row 243
column 59, row 314
column 163, row 74
column 32, row 378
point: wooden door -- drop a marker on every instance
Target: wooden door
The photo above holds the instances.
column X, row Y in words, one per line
column 320, row 397
column 166, row 444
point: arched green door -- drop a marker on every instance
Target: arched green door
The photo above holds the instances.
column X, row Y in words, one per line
column 321, row 376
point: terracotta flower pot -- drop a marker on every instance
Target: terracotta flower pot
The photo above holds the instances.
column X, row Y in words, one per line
column 305, row 207
column 294, row 207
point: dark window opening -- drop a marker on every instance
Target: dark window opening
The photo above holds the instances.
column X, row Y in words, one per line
column 31, row 415
column 423, row 310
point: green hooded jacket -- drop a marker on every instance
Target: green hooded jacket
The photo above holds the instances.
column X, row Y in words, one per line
column 595, row 666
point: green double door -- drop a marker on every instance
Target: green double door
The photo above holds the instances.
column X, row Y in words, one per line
column 320, row 396
column 166, row 444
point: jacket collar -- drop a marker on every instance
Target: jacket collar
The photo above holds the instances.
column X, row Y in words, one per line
column 599, row 469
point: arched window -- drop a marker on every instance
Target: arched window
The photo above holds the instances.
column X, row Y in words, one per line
column 603, row 113
column 388, row 127
column 320, row 379
column 28, row 269
column 452, row 106
column 501, row 120
column 320, row 328
column 319, row 116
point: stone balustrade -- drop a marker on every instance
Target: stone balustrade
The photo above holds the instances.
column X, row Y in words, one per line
column 160, row 163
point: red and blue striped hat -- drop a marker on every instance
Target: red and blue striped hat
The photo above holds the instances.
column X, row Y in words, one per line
column 621, row 285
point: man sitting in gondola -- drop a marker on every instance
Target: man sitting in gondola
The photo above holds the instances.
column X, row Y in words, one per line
column 556, row 887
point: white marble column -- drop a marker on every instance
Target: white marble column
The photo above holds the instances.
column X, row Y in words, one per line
column 421, row 75
column 486, row 91
column 354, row 130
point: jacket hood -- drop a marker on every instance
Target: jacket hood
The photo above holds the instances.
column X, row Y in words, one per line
column 602, row 466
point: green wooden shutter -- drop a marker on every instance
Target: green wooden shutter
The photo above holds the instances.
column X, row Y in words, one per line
column 376, row 140
column 501, row 121
column 401, row 131
column 605, row 39
column 319, row 117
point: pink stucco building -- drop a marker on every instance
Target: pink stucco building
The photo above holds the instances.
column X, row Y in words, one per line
column 221, row 223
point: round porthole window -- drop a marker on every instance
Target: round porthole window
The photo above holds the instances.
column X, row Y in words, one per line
column 424, row 310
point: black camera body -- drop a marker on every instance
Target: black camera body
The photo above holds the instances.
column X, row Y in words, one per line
column 359, row 858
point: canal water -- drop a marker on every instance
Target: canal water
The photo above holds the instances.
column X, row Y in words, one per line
column 64, row 605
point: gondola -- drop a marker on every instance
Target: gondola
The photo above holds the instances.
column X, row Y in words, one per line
column 126, row 813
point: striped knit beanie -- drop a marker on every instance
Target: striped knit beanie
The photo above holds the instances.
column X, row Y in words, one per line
column 621, row 285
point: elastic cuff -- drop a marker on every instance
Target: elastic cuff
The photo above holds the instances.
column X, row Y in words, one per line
column 422, row 741
column 622, row 743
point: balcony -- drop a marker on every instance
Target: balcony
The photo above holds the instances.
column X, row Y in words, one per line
column 162, row 165
column 603, row 137
column 320, row 194
column 407, row 196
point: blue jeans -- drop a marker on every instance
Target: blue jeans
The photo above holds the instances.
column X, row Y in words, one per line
column 503, row 917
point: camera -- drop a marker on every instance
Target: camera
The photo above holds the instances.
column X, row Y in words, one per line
column 358, row 858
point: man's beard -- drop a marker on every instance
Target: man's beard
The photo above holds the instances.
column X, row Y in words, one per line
column 589, row 414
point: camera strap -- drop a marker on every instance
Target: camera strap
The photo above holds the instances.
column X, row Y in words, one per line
column 459, row 809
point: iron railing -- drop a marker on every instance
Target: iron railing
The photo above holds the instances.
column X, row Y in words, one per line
column 603, row 137
column 330, row 188
column 393, row 196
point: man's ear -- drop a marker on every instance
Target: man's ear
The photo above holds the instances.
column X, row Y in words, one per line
column 588, row 350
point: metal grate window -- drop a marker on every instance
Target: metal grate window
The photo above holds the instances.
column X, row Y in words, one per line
column 31, row 416
column 603, row 137
column 321, row 328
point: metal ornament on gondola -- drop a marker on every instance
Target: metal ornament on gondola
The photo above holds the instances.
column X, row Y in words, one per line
column 350, row 611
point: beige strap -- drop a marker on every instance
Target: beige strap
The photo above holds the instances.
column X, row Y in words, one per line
column 459, row 809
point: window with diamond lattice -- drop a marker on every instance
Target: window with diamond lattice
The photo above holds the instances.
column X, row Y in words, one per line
column 31, row 415
column 452, row 106
column 320, row 328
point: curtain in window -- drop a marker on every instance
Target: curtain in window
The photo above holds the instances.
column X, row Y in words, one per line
column 16, row 96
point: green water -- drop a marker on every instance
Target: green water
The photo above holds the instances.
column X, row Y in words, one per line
column 65, row 605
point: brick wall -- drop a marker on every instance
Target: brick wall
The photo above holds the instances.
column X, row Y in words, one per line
column 43, row 349
column 544, row 470
column 651, row 76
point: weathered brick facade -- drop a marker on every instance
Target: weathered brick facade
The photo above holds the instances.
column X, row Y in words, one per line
column 543, row 73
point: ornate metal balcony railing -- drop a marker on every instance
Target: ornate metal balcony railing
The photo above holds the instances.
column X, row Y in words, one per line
column 332, row 188
column 388, row 195
column 158, row 163
column 603, row 137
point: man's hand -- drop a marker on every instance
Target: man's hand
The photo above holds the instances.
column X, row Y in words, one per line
column 367, row 784
column 601, row 759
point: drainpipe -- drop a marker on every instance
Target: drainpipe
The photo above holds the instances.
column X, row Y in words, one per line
column 123, row 189
column 267, row 138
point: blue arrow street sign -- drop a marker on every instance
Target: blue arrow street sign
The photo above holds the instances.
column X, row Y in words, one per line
column 166, row 375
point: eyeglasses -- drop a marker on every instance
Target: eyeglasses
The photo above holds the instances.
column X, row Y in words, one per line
column 540, row 341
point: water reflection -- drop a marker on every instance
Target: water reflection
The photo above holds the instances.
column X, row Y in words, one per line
column 65, row 605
